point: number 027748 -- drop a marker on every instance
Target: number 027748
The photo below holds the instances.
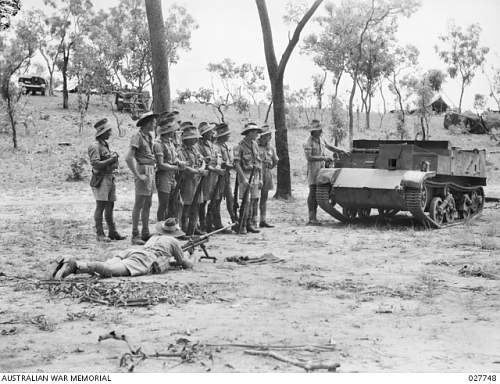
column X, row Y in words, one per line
column 482, row 377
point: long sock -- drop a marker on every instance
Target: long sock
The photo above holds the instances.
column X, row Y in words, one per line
column 136, row 214
column 99, row 209
column 145, row 214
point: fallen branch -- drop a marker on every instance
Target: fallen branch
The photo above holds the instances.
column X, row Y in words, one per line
column 308, row 366
column 264, row 347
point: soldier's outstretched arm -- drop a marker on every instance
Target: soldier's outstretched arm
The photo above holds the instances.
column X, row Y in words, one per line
column 334, row 149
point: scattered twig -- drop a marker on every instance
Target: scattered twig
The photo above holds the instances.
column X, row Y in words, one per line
column 264, row 347
column 308, row 366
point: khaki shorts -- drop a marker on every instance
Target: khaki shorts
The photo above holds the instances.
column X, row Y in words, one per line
column 254, row 191
column 106, row 191
column 164, row 183
column 148, row 186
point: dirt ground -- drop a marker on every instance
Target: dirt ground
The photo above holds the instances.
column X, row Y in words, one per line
column 388, row 295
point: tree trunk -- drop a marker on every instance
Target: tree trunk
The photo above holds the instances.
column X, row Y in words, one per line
column 161, row 85
column 276, row 75
column 65, row 81
column 368, row 110
column 51, row 82
column 350, row 109
column 10, row 112
column 284, row 187
column 461, row 96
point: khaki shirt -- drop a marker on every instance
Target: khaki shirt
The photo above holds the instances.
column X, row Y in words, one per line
column 226, row 153
column 143, row 144
column 154, row 257
column 269, row 161
column 99, row 151
column 194, row 159
column 168, row 154
column 247, row 155
column 314, row 147
column 209, row 152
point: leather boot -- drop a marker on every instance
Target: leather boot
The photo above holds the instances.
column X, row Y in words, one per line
column 136, row 239
column 250, row 227
column 312, row 218
column 113, row 233
column 100, row 231
column 263, row 213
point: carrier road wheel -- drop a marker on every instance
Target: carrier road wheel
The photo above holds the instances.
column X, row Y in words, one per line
column 465, row 210
column 436, row 210
column 387, row 212
column 350, row 213
column 364, row 212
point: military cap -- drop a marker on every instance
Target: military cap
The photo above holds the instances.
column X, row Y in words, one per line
column 166, row 128
column 204, row 127
column 190, row 133
column 315, row 126
column 222, row 130
column 101, row 127
column 145, row 118
column 250, row 127
column 266, row 129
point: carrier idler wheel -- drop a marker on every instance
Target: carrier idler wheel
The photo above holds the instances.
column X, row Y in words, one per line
column 364, row 212
column 350, row 213
column 436, row 210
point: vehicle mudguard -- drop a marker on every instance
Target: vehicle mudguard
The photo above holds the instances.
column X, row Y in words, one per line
column 327, row 175
column 415, row 179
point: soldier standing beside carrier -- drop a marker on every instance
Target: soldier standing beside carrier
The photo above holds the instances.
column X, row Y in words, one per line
column 316, row 157
column 103, row 162
column 247, row 163
column 192, row 174
column 141, row 161
column 167, row 165
column 207, row 149
column 269, row 161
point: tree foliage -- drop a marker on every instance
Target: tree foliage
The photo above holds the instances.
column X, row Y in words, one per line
column 16, row 52
column 122, row 39
column 8, row 9
column 462, row 54
column 355, row 38
column 68, row 24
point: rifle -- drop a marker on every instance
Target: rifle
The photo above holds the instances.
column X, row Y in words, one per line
column 244, row 203
column 235, row 199
column 175, row 197
column 199, row 241
column 194, row 208
column 220, row 181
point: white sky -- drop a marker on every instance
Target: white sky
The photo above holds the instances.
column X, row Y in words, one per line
column 231, row 28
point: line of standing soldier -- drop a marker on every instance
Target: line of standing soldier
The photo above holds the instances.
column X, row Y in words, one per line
column 190, row 168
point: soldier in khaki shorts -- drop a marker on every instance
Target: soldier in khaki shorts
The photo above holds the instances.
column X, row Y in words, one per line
column 167, row 166
column 141, row 161
column 104, row 162
column 194, row 170
column 316, row 157
column 225, row 152
column 269, row 161
column 207, row 149
column 246, row 158
column 161, row 253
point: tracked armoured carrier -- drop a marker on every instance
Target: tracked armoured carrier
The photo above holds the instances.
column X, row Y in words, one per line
column 438, row 184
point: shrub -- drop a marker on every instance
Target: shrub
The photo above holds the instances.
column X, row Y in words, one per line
column 77, row 168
